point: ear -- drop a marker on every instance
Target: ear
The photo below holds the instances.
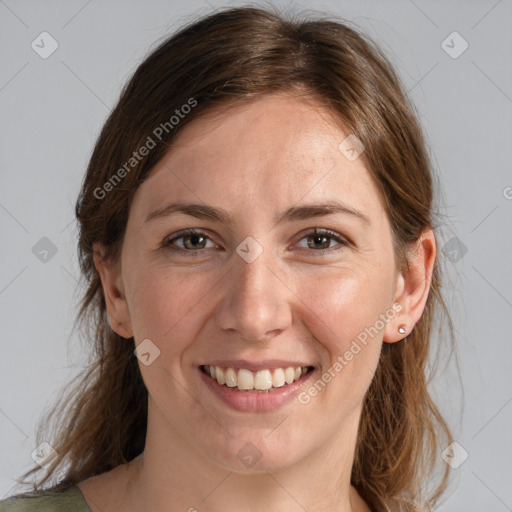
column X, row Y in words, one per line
column 413, row 286
column 111, row 280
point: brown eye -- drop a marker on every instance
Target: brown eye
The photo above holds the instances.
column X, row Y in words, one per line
column 319, row 241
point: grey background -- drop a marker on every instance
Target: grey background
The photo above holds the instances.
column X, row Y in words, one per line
column 52, row 110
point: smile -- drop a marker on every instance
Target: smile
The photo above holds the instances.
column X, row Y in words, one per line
column 255, row 381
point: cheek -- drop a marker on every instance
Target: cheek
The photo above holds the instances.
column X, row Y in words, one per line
column 165, row 308
column 344, row 314
column 345, row 304
column 164, row 303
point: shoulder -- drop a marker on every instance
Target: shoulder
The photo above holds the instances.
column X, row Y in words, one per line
column 69, row 500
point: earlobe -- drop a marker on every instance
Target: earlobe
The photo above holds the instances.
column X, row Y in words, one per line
column 111, row 280
column 413, row 287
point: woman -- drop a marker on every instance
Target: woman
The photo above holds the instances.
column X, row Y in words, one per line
column 257, row 233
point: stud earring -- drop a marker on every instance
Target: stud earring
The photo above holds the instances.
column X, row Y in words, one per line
column 401, row 329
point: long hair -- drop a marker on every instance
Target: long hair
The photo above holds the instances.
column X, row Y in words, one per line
column 225, row 58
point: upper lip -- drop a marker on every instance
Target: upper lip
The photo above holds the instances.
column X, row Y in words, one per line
column 255, row 366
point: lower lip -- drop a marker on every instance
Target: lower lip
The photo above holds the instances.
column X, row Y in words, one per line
column 255, row 402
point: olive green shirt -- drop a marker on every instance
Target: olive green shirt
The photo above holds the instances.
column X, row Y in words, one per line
column 69, row 500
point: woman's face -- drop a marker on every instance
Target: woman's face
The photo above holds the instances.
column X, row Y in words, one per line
column 258, row 292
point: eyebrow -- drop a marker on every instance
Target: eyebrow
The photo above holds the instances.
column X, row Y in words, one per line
column 302, row 212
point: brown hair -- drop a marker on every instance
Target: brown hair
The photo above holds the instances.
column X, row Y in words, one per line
column 234, row 55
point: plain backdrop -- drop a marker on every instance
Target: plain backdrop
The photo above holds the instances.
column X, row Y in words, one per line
column 455, row 59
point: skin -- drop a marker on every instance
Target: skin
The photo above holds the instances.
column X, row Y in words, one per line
column 292, row 303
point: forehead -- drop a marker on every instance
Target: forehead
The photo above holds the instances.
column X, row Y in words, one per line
column 270, row 153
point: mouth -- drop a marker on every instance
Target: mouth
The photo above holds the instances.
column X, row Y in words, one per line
column 261, row 381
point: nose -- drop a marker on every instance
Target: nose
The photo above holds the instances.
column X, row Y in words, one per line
column 257, row 302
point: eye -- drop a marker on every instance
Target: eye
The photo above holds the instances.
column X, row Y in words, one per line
column 194, row 241
column 318, row 239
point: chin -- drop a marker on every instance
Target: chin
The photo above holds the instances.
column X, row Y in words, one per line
column 257, row 453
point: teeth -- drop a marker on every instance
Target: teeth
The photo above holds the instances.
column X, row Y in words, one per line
column 230, row 378
column 278, row 378
column 221, row 379
column 289, row 375
column 262, row 380
column 245, row 379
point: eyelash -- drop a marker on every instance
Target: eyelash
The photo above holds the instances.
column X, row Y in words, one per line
column 168, row 243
